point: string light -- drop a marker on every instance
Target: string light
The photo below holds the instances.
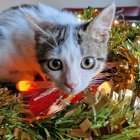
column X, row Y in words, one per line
column 29, row 85
column 133, row 24
column 105, row 87
column 116, row 22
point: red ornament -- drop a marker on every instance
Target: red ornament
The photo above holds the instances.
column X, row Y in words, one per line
column 40, row 103
column 44, row 99
column 77, row 97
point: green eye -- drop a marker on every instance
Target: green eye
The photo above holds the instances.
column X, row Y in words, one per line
column 88, row 63
column 54, row 64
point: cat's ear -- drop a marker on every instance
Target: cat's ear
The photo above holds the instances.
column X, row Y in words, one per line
column 105, row 19
column 99, row 27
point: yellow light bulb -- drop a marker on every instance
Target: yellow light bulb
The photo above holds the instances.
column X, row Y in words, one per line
column 105, row 87
column 23, row 85
column 29, row 85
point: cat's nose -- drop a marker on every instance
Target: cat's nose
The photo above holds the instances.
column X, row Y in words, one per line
column 71, row 85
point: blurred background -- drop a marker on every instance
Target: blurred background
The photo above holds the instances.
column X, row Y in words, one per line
column 4, row 4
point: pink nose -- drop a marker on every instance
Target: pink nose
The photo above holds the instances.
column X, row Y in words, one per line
column 71, row 86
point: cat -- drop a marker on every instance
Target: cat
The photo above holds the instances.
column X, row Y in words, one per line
column 70, row 52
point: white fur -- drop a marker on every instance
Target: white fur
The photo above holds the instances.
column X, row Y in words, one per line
column 55, row 16
column 71, row 56
column 17, row 51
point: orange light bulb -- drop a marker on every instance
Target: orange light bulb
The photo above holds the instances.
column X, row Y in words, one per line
column 24, row 86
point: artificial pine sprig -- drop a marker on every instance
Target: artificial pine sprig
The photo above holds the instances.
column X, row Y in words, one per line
column 102, row 118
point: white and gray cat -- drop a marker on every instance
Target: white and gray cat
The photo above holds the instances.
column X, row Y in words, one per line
column 71, row 53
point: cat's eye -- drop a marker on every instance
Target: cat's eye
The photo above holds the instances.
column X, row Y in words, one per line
column 88, row 63
column 54, row 64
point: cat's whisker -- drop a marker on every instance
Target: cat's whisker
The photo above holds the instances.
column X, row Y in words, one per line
column 100, row 79
column 97, row 81
column 50, row 44
column 103, row 76
column 31, row 20
column 110, row 66
column 37, row 27
column 53, row 39
column 94, row 84
column 100, row 75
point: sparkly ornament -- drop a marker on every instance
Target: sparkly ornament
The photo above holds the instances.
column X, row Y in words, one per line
column 40, row 104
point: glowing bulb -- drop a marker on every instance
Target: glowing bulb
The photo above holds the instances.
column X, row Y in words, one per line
column 23, row 85
column 133, row 24
column 96, row 10
column 116, row 22
column 29, row 85
column 105, row 87
column 79, row 17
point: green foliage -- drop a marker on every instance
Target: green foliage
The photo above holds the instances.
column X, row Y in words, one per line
column 102, row 119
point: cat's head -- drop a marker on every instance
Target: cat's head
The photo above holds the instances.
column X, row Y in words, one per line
column 71, row 55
